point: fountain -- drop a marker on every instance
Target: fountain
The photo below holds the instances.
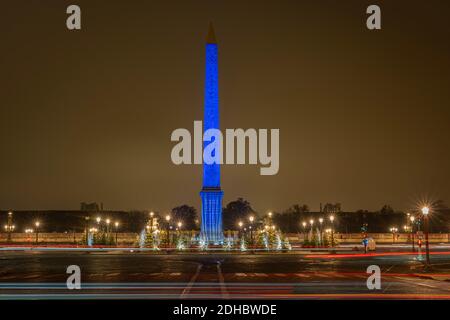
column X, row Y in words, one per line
column 243, row 244
column 142, row 237
column 228, row 244
column 202, row 245
column 180, row 244
column 266, row 241
column 90, row 239
column 286, row 244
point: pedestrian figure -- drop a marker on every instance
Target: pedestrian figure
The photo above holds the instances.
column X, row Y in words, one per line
column 365, row 243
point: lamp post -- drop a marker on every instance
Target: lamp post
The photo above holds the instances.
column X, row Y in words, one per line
column 332, row 230
column 251, row 218
column 37, row 224
column 9, row 226
column 304, row 230
column 270, row 218
column 425, row 212
column 87, row 228
column 116, row 224
column 179, row 224
column 320, row 230
column 240, row 224
column 394, row 231
column 151, row 220
column 108, row 221
column 167, row 228
column 98, row 219
column 412, row 232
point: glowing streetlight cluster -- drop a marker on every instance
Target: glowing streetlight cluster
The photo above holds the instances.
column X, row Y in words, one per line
column 321, row 221
column 9, row 228
column 393, row 230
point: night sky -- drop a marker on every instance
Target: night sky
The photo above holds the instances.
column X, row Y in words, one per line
column 87, row 115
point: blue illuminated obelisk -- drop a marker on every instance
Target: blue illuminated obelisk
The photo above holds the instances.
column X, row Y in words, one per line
column 211, row 194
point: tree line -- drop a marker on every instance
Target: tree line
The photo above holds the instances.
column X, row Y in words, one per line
column 289, row 220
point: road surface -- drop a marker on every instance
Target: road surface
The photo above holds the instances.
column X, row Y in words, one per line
column 121, row 275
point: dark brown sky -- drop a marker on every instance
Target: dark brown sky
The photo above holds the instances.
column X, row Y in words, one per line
column 87, row 115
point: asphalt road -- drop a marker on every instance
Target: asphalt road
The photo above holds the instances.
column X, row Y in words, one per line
column 37, row 274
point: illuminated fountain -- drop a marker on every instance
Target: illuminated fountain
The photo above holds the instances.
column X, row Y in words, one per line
column 180, row 244
column 228, row 245
column 142, row 237
column 243, row 244
column 203, row 245
column 90, row 239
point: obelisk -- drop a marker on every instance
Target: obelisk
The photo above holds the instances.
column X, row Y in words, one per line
column 211, row 194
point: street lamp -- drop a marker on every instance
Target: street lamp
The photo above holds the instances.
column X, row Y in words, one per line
column 151, row 220
column 108, row 221
column 393, row 230
column 320, row 229
column 8, row 227
column 251, row 218
column 179, row 224
column 116, row 224
column 168, row 217
column 332, row 230
column 304, row 230
column 426, row 211
column 86, row 218
column 37, row 224
column 240, row 224
column 411, row 218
